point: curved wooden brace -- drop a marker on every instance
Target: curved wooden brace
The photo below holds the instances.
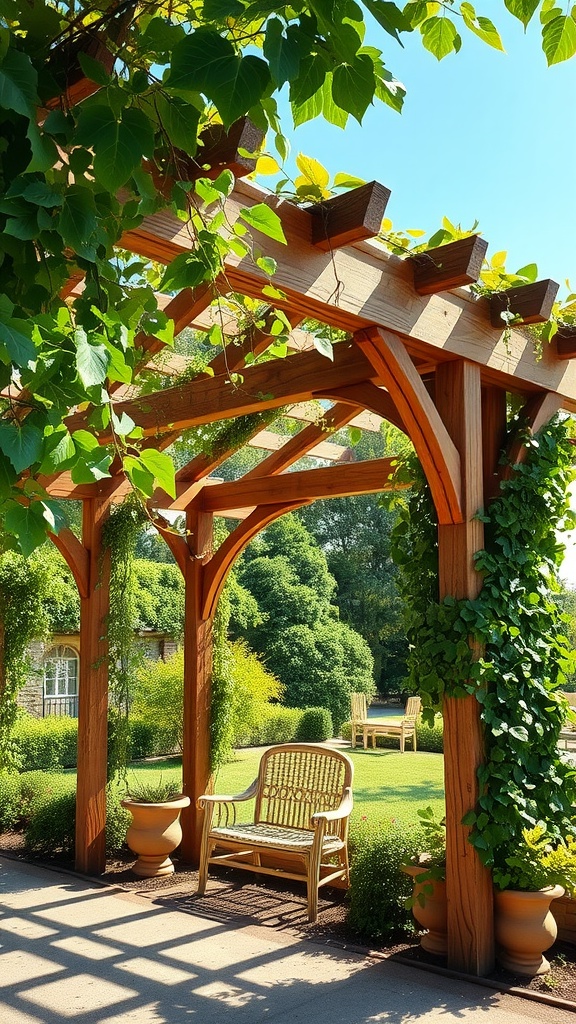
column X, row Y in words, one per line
column 537, row 411
column 76, row 556
column 435, row 448
column 368, row 396
column 216, row 570
column 175, row 542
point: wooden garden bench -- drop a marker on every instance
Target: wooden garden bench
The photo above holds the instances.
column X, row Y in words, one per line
column 403, row 729
column 303, row 800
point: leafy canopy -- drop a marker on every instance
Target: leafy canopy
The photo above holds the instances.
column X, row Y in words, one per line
column 101, row 110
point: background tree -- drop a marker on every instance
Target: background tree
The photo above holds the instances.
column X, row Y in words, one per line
column 319, row 659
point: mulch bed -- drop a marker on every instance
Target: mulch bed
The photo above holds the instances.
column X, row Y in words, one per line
column 270, row 903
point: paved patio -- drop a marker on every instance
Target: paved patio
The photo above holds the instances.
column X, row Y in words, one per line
column 74, row 951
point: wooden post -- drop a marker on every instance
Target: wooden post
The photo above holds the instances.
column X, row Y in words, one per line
column 93, row 697
column 468, row 883
column 493, row 439
column 197, row 682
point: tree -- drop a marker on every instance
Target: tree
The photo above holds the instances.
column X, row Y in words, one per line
column 151, row 78
column 319, row 659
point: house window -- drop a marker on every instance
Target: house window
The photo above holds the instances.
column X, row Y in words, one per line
column 61, row 681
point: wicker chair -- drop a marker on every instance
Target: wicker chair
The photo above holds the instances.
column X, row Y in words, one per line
column 358, row 716
column 403, row 729
column 303, row 797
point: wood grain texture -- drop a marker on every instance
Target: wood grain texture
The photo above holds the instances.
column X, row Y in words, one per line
column 436, row 451
column 93, row 698
column 565, row 341
column 531, row 303
column 76, row 556
column 469, row 884
column 448, row 266
column 369, row 477
column 350, row 217
column 372, row 398
column 267, row 386
column 197, row 682
column 378, row 289
column 494, row 427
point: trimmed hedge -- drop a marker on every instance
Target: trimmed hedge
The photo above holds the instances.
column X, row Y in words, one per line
column 10, row 799
column 315, row 726
column 378, row 888
column 276, row 724
column 50, row 744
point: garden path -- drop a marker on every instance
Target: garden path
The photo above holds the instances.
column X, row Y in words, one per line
column 71, row 949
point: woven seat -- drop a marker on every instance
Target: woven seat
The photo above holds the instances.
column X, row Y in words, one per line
column 303, row 800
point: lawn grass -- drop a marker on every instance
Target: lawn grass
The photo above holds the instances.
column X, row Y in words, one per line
column 387, row 784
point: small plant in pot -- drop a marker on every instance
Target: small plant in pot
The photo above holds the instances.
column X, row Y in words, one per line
column 155, row 831
column 428, row 869
column 536, row 873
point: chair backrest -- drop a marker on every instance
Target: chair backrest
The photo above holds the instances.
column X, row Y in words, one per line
column 297, row 779
column 413, row 706
column 359, row 711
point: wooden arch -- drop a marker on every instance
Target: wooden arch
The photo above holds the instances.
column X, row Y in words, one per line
column 425, row 354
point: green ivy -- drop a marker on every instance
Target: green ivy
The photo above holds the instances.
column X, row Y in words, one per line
column 119, row 535
column 519, row 625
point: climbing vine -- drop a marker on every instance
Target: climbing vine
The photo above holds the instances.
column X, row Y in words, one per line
column 23, row 585
column 519, row 624
column 119, row 539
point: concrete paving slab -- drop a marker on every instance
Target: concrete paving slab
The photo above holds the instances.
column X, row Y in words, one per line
column 73, row 952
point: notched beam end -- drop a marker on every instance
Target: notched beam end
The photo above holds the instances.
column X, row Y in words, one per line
column 566, row 341
column 448, row 266
column 528, row 303
column 223, row 149
column 351, row 217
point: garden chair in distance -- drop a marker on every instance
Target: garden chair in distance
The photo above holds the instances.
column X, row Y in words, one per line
column 303, row 801
column 358, row 716
column 403, row 728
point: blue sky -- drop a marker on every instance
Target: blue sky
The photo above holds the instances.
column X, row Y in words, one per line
column 484, row 135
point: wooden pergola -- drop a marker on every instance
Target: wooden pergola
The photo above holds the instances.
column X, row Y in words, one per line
column 423, row 353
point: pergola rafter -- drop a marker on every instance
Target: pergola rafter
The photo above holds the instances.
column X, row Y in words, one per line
column 422, row 353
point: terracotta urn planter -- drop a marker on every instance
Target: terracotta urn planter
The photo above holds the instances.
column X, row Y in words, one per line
column 154, row 834
column 430, row 910
column 525, row 928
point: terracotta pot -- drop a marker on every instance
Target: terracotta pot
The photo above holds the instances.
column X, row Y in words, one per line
column 432, row 913
column 155, row 833
column 525, row 928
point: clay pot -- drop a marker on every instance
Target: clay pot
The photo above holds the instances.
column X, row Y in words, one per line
column 525, row 928
column 432, row 912
column 155, row 833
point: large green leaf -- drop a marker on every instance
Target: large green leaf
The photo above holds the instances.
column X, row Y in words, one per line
column 180, row 122
column 559, row 39
column 94, row 466
column 20, row 348
column 389, row 17
column 59, row 449
column 313, row 71
column 282, row 51
column 18, row 81
column 21, row 443
column 28, row 524
column 207, row 62
column 481, row 27
column 353, row 86
column 118, row 145
column 162, row 469
column 522, row 9
column 7, row 475
column 77, row 222
column 440, row 37
column 263, row 219
column 92, row 361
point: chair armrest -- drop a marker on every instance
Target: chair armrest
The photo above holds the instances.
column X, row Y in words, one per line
column 216, row 798
column 342, row 811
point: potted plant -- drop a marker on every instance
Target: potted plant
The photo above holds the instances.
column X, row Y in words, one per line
column 155, row 831
column 428, row 869
column 535, row 874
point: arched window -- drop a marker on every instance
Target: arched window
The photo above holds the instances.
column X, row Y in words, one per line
column 61, row 681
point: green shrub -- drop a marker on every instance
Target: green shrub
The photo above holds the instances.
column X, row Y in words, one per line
column 49, row 812
column 10, row 800
column 378, row 888
column 45, row 743
column 117, row 821
column 275, row 725
column 315, row 726
column 346, row 730
column 144, row 739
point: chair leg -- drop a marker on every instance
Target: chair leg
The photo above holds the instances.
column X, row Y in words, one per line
column 365, row 737
column 402, row 742
column 313, row 880
column 203, row 869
